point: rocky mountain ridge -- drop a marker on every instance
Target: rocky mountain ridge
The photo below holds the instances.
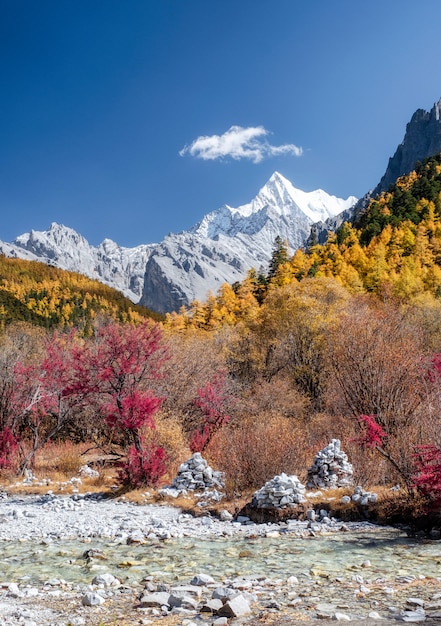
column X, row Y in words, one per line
column 114, row 265
column 187, row 266
column 228, row 241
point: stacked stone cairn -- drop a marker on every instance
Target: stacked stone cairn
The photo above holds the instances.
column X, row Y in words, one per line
column 196, row 475
column 280, row 492
column 330, row 469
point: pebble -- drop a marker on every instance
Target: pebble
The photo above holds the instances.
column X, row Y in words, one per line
column 202, row 579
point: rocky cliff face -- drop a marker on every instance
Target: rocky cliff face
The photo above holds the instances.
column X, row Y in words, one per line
column 421, row 140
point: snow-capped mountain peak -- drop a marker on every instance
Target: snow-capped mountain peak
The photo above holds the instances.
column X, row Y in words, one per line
column 51, row 240
column 229, row 241
column 279, row 198
column 317, row 205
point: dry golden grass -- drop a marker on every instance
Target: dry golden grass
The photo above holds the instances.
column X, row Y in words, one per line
column 55, row 465
column 63, row 457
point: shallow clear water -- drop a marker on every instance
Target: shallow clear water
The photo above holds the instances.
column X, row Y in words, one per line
column 390, row 554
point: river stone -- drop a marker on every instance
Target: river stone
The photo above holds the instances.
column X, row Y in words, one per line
column 155, row 599
column 326, row 608
column 13, row 591
column 433, row 606
column 374, row 615
column 184, row 602
column 202, row 579
column 419, row 615
column 362, row 497
column 92, row 599
column 87, row 471
column 211, row 606
column 224, row 593
column 108, row 580
column 225, row 516
column 235, row 607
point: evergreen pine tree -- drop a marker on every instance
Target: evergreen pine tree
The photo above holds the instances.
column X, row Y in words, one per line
column 279, row 255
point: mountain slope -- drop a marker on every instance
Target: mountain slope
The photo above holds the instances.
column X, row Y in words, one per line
column 421, row 140
column 394, row 247
column 48, row 296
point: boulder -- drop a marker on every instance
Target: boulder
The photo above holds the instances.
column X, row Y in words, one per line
column 202, row 579
column 235, row 607
column 92, row 599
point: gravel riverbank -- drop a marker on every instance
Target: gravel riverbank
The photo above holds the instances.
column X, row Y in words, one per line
column 106, row 598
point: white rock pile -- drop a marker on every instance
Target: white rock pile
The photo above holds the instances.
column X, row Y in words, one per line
column 196, row 475
column 331, row 468
column 88, row 472
column 361, row 496
column 280, row 492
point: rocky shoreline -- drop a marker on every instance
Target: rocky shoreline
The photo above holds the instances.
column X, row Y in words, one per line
column 201, row 600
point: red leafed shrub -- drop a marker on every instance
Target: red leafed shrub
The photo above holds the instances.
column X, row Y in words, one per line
column 373, row 435
column 211, row 401
column 434, row 371
column 427, row 477
column 132, row 412
column 200, row 439
column 143, row 468
column 8, row 448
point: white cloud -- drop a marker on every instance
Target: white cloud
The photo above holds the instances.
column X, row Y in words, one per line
column 238, row 143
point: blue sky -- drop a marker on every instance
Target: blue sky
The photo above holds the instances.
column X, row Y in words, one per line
column 103, row 105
